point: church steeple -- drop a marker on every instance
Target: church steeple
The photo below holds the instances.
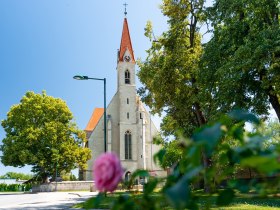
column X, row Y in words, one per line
column 126, row 44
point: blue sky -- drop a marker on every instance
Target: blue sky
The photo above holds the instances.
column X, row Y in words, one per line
column 43, row 44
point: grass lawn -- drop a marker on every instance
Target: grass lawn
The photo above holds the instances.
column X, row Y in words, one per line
column 242, row 202
column 247, row 207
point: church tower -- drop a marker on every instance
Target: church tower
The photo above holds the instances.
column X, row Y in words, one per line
column 127, row 97
column 130, row 130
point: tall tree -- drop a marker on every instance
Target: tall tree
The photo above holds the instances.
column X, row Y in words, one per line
column 242, row 60
column 169, row 73
column 40, row 132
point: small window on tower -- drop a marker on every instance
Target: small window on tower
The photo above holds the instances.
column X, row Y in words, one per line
column 127, row 115
column 127, row 100
column 141, row 115
column 127, row 77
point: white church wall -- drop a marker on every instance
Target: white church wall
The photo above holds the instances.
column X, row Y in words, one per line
column 155, row 149
column 96, row 140
column 96, row 144
column 113, row 111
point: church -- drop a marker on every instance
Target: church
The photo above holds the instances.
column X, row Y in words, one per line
column 130, row 130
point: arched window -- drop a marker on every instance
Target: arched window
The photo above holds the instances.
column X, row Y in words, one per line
column 127, row 176
column 127, row 77
column 127, row 115
column 127, row 100
column 127, row 145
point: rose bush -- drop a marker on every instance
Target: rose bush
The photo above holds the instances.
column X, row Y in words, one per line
column 107, row 171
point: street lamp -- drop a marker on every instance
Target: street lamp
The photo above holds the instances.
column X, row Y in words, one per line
column 78, row 77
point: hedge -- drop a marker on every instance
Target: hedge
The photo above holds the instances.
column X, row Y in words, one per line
column 14, row 187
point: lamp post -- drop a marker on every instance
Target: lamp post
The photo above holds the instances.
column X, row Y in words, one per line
column 78, row 77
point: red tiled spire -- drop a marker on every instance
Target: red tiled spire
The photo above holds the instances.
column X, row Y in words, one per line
column 126, row 42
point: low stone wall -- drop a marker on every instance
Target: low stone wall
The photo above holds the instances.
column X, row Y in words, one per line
column 64, row 186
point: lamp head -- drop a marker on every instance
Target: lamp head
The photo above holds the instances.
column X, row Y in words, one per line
column 78, row 77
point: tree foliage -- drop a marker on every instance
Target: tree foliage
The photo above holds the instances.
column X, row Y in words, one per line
column 237, row 68
column 169, row 73
column 173, row 154
column 241, row 63
column 272, row 130
column 40, row 132
column 15, row 175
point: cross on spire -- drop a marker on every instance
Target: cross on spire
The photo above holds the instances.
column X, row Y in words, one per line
column 125, row 4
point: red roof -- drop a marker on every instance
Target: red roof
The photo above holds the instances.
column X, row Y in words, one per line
column 126, row 42
column 95, row 117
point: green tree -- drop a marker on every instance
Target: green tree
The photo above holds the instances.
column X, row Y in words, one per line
column 242, row 60
column 169, row 73
column 271, row 129
column 68, row 176
column 40, row 132
column 15, row 175
column 173, row 153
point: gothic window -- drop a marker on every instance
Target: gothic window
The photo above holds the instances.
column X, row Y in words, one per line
column 127, row 145
column 127, row 100
column 127, row 77
column 127, row 115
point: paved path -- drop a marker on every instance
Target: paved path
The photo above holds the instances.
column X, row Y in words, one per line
column 47, row 200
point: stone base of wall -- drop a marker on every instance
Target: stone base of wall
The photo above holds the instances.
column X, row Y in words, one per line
column 64, row 186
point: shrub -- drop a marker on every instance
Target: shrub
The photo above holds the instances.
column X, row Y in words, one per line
column 14, row 187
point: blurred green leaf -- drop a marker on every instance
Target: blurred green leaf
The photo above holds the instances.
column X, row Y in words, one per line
column 159, row 156
column 241, row 184
column 140, row 173
column 194, row 155
column 98, row 199
column 265, row 164
column 209, row 136
column 238, row 132
column 225, row 197
column 124, row 202
column 242, row 115
column 179, row 195
column 150, row 185
column 194, row 172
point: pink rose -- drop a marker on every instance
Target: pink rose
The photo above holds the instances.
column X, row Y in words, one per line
column 107, row 171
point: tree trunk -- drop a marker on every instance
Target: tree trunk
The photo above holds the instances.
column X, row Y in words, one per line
column 274, row 101
column 45, row 179
column 206, row 160
column 206, row 164
column 273, row 98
